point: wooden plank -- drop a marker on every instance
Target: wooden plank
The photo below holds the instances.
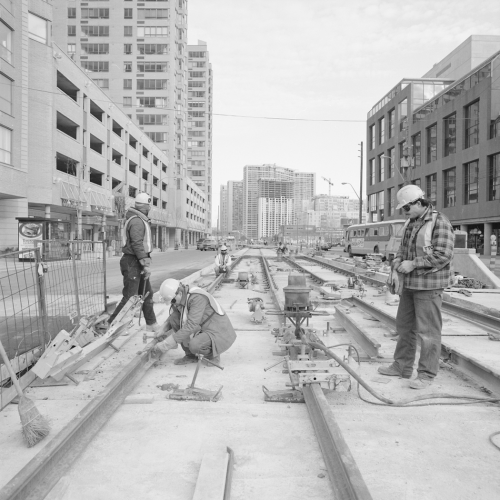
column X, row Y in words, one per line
column 7, row 395
column 211, row 481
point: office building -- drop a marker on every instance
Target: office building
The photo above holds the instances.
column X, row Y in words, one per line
column 199, row 146
column 442, row 133
column 235, row 206
column 304, row 186
column 70, row 154
column 223, row 213
column 137, row 54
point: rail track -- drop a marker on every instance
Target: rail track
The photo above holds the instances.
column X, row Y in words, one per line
column 66, row 455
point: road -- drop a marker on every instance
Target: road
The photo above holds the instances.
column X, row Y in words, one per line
column 174, row 264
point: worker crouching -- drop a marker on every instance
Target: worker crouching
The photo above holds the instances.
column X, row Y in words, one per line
column 222, row 261
column 196, row 321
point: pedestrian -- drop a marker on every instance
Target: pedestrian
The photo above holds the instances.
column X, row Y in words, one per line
column 425, row 260
column 196, row 321
column 135, row 264
column 222, row 261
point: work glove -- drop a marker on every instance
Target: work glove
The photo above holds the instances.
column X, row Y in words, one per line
column 165, row 346
column 162, row 334
column 146, row 272
column 395, row 282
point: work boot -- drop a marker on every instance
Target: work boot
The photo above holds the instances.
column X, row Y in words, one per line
column 155, row 327
column 420, row 383
column 215, row 360
column 186, row 360
column 393, row 371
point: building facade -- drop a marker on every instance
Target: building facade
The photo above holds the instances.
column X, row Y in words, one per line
column 200, row 96
column 235, row 206
column 223, row 210
column 303, row 185
column 137, row 54
column 443, row 135
column 275, row 206
column 79, row 159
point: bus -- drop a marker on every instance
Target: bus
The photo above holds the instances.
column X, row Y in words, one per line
column 376, row 237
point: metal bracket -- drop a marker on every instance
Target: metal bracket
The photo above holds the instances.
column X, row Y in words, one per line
column 284, row 396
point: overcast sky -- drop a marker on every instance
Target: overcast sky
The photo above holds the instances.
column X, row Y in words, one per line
column 317, row 60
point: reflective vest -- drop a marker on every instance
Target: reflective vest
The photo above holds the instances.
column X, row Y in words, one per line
column 147, row 242
column 221, row 259
column 213, row 303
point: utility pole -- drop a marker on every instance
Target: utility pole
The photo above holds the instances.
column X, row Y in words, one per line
column 361, row 184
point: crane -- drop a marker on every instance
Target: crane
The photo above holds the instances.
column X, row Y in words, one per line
column 330, row 184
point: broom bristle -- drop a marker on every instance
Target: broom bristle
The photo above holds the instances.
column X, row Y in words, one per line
column 35, row 426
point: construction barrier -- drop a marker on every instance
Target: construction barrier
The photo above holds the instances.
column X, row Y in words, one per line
column 44, row 290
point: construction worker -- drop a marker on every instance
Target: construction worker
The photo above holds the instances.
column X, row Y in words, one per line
column 135, row 263
column 421, row 271
column 222, row 261
column 196, row 321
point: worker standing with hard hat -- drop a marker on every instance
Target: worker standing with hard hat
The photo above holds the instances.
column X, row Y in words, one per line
column 196, row 321
column 222, row 261
column 424, row 261
column 135, row 264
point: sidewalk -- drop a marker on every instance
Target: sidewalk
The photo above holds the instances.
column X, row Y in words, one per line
column 486, row 261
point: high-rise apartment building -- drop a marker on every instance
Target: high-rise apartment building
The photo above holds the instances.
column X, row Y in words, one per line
column 223, row 210
column 200, row 95
column 137, row 54
column 275, row 206
column 235, row 206
column 304, row 186
column 441, row 132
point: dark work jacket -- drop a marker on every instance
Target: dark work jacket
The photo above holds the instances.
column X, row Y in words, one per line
column 135, row 234
column 218, row 328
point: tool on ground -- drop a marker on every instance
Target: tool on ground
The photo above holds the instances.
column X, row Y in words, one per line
column 256, row 305
column 192, row 393
column 35, row 426
column 243, row 279
column 145, row 337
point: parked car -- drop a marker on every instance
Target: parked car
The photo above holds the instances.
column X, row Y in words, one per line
column 199, row 244
column 209, row 244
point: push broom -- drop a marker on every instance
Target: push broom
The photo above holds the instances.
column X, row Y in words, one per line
column 35, row 426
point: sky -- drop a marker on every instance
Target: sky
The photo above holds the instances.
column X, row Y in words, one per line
column 319, row 66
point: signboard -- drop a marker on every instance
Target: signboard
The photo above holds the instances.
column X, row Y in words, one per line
column 28, row 233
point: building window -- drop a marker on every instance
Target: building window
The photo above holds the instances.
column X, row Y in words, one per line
column 95, row 48
column 152, row 119
column 372, row 203
column 381, row 130
column 371, row 137
column 128, row 13
column 71, row 30
column 392, row 118
column 416, row 182
column 127, row 67
column 95, row 13
column 371, row 172
column 37, row 28
column 431, row 143
column 5, row 145
column 392, row 160
column 95, row 30
column 127, row 48
column 71, row 13
column 127, row 31
column 494, row 177
column 158, row 136
column 450, row 185
column 390, row 201
column 472, row 124
column 403, row 114
column 381, row 204
column 132, row 191
column 450, row 135
column 152, row 48
column 471, row 171
column 151, row 102
column 151, row 84
column 431, row 188
column 71, row 50
column 127, row 102
column 151, row 67
column 416, row 146
column 152, row 14
column 127, row 84
column 381, row 168
column 102, row 83
column 95, row 66
column 5, row 43
column 5, row 95
column 152, row 31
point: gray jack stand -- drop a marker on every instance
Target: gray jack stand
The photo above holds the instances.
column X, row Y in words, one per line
column 193, row 393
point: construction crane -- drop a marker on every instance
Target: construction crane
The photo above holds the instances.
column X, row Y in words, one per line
column 330, row 184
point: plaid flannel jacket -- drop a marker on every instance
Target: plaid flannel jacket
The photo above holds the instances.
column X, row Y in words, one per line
column 443, row 240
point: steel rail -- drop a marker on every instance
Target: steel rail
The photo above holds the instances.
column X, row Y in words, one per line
column 466, row 363
column 345, row 478
column 459, row 311
column 35, row 480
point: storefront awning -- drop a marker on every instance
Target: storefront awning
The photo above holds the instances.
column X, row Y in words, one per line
column 72, row 194
column 100, row 201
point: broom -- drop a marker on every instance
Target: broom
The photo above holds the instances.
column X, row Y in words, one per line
column 35, row 426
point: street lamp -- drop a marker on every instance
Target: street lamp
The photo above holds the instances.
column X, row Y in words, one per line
column 360, row 202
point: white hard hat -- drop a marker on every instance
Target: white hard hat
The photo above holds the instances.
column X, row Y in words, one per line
column 408, row 194
column 143, row 198
column 223, row 248
column 168, row 289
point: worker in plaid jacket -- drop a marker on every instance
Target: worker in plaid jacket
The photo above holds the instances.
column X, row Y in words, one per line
column 424, row 263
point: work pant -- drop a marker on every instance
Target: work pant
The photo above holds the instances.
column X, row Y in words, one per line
column 419, row 313
column 199, row 344
column 133, row 284
column 219, row 270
